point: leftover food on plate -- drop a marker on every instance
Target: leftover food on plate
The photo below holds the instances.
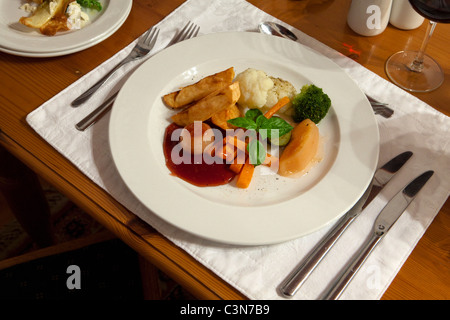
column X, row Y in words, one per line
column 52, row 16
column 225, row 126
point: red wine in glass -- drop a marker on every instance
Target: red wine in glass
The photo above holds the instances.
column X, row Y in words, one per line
column 414, row 70
column 434, row 10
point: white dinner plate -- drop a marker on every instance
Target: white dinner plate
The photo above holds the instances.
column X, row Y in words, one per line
column 273, row 209
column 18, row 39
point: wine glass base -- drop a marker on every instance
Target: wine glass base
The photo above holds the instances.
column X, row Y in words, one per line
column 398, row 70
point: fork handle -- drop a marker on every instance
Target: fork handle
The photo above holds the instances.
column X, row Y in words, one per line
column 88, row 93
column 352, row 268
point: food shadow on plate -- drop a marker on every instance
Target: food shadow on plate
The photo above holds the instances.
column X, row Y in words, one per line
column 17, row 26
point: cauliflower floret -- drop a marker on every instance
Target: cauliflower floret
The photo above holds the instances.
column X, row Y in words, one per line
column 258, row 90
column 77, row 19
column 254, row 85
column 281, row 89
column 28, row 7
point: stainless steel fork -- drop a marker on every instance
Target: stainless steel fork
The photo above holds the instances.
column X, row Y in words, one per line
column 141, row 49
column 380, row 108
column 190, row 30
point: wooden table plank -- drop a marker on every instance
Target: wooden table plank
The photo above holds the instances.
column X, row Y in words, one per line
column 26, row 83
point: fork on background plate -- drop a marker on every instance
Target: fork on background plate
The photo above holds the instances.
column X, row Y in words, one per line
column 380, row 108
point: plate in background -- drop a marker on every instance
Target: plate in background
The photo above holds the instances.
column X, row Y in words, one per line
column 18, row 39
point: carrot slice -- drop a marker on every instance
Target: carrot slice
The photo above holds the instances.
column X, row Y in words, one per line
column 224, row 150
column 270, row 159
column 236, row 142
column 280, row 104
column 245, row 176
column 236, row 167
column 231, row 148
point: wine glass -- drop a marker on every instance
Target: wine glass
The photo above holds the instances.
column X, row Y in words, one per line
column 415, row 70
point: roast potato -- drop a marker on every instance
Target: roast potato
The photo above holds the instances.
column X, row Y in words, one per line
column 208, row 106
column 199, row 90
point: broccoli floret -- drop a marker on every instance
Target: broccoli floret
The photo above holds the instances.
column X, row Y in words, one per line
column 311, row 103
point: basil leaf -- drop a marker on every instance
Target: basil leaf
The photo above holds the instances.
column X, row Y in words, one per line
column 276, row 123
column 91, row 4
column 256, row 121
column 253, row 114
column 256, row 152
column 260, row 121
column 243, row 123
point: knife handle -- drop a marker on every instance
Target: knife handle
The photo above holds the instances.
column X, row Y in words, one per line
column 295, row 281
column 351, row 269
column 92, row 117
column 299, row 276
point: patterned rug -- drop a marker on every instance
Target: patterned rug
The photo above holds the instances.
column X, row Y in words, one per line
column 109, row 269
column 69, row 223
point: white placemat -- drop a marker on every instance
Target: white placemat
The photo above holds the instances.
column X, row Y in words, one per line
column 258, row 271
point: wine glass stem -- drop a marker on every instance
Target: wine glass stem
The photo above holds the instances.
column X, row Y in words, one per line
column 417, row 64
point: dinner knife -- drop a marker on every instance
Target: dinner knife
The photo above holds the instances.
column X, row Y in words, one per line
column 381, row 177
column 387, row 217
column 92, row 117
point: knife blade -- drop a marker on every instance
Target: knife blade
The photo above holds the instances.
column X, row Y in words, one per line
column 381, row 177
column 385, row 220
column 385, row 173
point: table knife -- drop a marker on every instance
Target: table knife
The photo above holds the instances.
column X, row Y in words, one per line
column 387, row 217
column 381, row 178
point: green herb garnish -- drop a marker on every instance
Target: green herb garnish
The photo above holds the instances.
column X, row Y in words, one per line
column 91, row 4
column 255, row 120
column 266, row 128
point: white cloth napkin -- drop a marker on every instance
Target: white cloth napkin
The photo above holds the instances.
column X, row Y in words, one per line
column 258, row 271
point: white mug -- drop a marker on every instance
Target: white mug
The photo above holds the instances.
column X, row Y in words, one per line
column 369, row 17
column 403, row 15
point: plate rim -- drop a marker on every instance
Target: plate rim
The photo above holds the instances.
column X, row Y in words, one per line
column 34, row 45
column 221, row 238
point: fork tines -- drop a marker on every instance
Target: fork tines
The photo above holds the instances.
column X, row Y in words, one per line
column 190, row 30
column 148, row 39
column 382, row 110
column 149, row 34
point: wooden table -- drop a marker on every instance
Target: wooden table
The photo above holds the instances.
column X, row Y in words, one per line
column 26, row 83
